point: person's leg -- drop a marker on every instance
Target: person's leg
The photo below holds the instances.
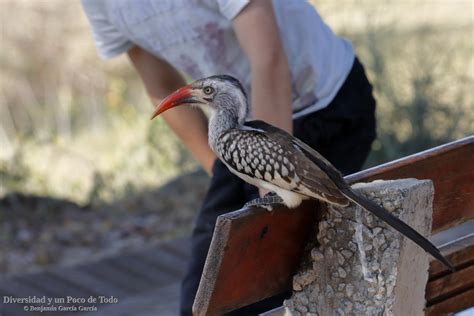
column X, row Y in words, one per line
column 226, row 193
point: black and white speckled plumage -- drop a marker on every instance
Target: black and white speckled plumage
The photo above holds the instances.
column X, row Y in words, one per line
column 272, row 157
column 268, row 157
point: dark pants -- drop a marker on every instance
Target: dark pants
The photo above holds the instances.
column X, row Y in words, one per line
column 342, row 132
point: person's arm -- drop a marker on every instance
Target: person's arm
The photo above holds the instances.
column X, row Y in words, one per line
column 257, row 32
column 189, row 123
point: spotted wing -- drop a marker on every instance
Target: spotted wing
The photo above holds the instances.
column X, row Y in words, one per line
column 269, row 154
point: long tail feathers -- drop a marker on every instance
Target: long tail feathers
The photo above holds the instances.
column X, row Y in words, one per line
column 397, row 224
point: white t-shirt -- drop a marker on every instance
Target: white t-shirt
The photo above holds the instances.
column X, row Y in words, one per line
column 197, row 38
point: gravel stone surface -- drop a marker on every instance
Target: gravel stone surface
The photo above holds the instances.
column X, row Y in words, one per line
column 359, row 262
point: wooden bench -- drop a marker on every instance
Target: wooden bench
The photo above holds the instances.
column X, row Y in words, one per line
column 254, row 253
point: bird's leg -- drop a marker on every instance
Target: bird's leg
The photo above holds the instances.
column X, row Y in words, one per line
column 266, row 202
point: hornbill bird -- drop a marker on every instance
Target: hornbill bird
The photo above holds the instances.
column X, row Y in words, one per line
column 272, row 159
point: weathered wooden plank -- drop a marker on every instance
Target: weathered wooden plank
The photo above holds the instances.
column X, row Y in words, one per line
column 454, row 304
column 12, row 287
column 247, row 263
column 136, row 265
column 56, row 287
column 161, row 301
column 90, row 283
column 19, row 289
column 460, row 260
column 229, row 265
column 12, row 308
column 132, row 268
column 21, row 285
column 168, row 262
column 450, row 285
column 148, row 278
column 15, row 310
column 180, row 247
column 449, row 167
column 116, row 276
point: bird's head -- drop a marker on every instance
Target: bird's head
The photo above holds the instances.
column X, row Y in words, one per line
column 220, row 93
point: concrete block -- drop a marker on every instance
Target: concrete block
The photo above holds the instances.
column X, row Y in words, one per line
column 358, row 265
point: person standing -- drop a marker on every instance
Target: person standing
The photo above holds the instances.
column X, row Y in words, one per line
column 299, row 75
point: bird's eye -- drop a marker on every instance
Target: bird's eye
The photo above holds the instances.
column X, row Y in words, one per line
column 208, row 90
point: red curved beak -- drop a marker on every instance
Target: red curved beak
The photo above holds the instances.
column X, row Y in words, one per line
column 179, row 97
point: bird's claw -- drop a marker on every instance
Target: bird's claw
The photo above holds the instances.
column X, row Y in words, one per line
column 268, row 207
column 267, row 202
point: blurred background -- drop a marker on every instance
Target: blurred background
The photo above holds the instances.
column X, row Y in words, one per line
column 84, row 174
